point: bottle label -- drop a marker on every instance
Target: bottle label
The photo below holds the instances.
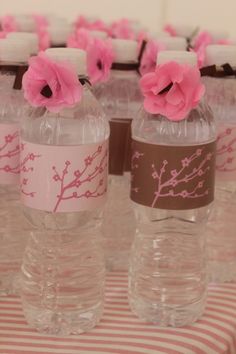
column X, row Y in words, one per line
column 226, row 153
column 172, row 177
column 9, row 153
column 120, row 146
column 64, row 178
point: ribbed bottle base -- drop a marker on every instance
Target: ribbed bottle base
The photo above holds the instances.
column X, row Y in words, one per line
column 62, row 323
column 164, row 316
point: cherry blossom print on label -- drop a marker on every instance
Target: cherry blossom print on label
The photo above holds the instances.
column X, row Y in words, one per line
column 172, row 177
column 9, row 154
column 226, row 153
column 64, row 178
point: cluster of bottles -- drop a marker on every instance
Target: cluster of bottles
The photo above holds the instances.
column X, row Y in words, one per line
column 53, row 256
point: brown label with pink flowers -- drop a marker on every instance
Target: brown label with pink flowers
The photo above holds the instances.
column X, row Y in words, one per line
column 173, row 177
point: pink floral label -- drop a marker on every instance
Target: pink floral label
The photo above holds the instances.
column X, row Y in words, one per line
column 64, row 178
column 226, row 154
column 9, row 154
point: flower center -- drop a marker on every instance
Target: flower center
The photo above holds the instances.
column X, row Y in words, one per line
column 46, row 91
column 166, row 89
column 99, row 64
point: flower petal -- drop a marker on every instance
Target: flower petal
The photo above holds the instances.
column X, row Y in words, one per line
column 60, row 77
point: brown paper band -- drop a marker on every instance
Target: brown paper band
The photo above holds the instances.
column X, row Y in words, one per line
column 218, row 71
column 84, row 80
column 190, row 38
column 173, row 177
column 125, row 66
column 18, row 71
column 63, row 45
column 120, row 146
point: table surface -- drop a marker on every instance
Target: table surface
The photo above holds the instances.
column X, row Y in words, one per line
column 120, row 332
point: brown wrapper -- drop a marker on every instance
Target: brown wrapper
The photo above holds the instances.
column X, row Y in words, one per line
column 62, row 45
column 21, row 70
column 173, row 177
column 120, row 146
column 134, row 66
column 221, row 71
column 125, row 66
column 18, row 71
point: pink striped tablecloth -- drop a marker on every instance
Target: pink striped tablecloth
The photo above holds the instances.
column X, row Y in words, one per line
column 120, row 332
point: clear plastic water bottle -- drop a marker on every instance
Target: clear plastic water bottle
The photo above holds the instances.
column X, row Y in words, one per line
column 63, row 268
column 13, row 59
column 220, row 93
column 168, row 273
column 121, row 99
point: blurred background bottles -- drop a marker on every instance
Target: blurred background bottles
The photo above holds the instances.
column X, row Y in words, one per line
column 220, row 94
column 168, row 269
column 121, row 99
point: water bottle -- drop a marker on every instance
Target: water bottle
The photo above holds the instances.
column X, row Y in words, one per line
column 220, row 92
column 13, row 61
column 172, row 189
column 121, row 98
column 64, row 182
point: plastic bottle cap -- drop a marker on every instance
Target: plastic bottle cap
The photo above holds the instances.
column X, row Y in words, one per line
column 221, row 54
column 136, row 26
column 184, row 30
column 92, row 18
column 14, row 50
column 26, row 23
column 26, row 36
column 76, row 57
column 125, row 50
column 56, row 20
column 98, row 34
column 159, row 35
column 180, row 57
column 217, row 35
column 174, row 43
column 59, row 33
